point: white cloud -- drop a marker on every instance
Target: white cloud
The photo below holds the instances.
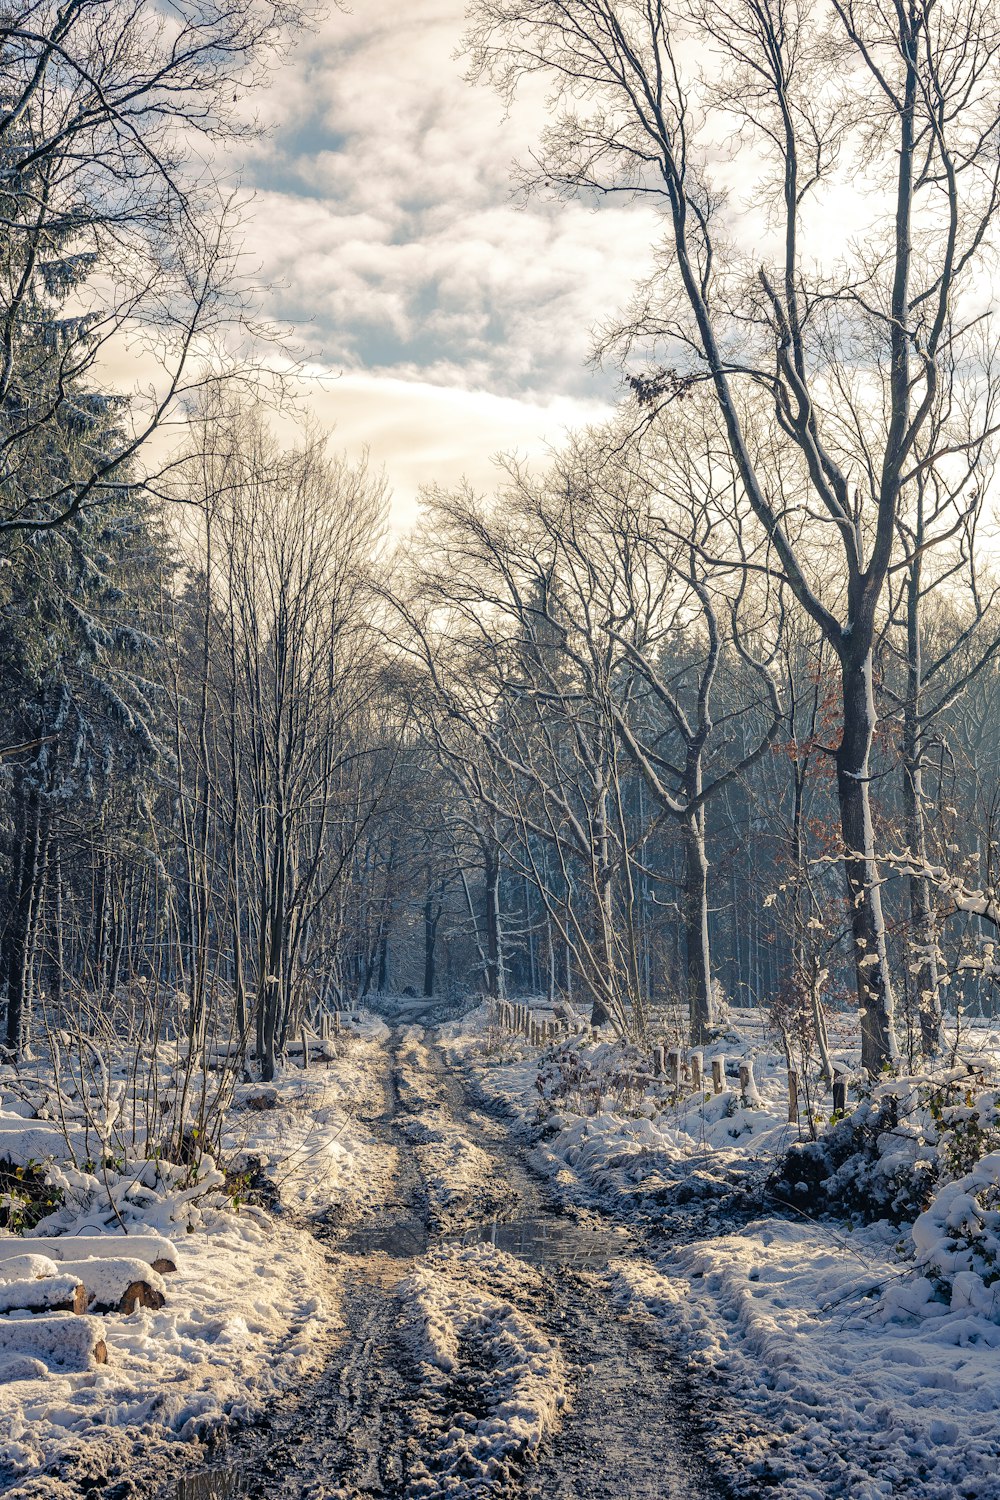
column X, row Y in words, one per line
column 384, row 206
column 425, row 434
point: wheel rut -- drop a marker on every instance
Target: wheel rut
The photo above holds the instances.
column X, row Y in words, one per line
column 368, row 1424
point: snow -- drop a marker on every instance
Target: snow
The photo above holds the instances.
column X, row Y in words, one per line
column 243, row 1316
column 451, row 1166
column 312, row 1145
column 465, row 1297
column 607, row 1141
column 826, row 1360
column 840, row 1371
column 249, row 1313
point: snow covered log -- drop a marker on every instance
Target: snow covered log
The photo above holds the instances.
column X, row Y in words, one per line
column 117, row 1284
column 317, row 1048
column 52, row 1294
column 151, row 1248
column 62, row 1342
column 27, row 1268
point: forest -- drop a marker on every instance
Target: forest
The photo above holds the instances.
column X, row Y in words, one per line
column 680, row 746
column 701, row 714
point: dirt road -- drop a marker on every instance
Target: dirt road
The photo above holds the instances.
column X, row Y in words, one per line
column 546, row 1390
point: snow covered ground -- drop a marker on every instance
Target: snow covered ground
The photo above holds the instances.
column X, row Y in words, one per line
column 250, row 1311
column 465, row 1314
column 843, row 1358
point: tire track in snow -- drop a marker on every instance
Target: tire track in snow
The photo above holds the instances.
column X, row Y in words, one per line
column 463, row 1394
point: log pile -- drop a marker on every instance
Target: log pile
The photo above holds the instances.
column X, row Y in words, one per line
column 54, row 1291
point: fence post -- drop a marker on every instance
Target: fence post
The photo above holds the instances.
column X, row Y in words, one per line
column 748, row 1084
column 793, row 1097
column 839, row 1093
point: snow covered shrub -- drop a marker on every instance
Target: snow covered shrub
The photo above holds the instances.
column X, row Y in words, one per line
column 886, row 1158
column 152, row 1193
column 968, row 1131
column 879, row 1162
column 957, row 1238
column 586, row 1081
column 26, row 1196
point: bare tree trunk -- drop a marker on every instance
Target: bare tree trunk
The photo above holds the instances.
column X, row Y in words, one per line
column 698, row 965
column 495, row 985
column 19, row 938
column 878, row 1038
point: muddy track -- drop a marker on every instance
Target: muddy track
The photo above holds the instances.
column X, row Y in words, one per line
column 360, row 1430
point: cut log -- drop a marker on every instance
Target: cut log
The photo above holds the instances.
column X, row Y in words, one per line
column 27, row 1268
column 118, row 1283
column 53, row 1294
column 151, row 1248
column 62, row 1341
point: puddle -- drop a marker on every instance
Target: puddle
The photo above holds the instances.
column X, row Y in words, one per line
column 210, row 1484
column 403, row 1240
column 550, row 1242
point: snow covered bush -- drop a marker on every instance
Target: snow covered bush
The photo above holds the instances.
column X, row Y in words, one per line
column 885, row 1159
column 586, row 1080
column 957, row 1239
column 150, row 1193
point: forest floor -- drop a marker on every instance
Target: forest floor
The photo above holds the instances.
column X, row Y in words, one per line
column 464, row 1294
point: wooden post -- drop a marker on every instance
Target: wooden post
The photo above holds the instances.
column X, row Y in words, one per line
column 748, row 1084
column 839, row 1093
column 697, row 1071
column 673, row 1066
column 793, row 1097
column 718, row 1074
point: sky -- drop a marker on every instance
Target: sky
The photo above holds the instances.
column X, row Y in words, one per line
column 443, row 321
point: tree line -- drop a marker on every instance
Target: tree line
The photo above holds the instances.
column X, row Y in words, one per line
column 703, row 712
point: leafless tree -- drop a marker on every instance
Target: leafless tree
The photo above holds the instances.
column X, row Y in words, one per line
column 120, row 243
column 887, row 111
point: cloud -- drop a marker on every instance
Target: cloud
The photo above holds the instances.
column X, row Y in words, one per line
column 383, row 209
column 424, row 434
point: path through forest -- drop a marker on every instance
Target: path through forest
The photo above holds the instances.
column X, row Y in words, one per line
column 376, row 1424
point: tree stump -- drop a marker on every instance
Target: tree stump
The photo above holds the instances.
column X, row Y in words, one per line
column 718, row 1074
column 697, row 1071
